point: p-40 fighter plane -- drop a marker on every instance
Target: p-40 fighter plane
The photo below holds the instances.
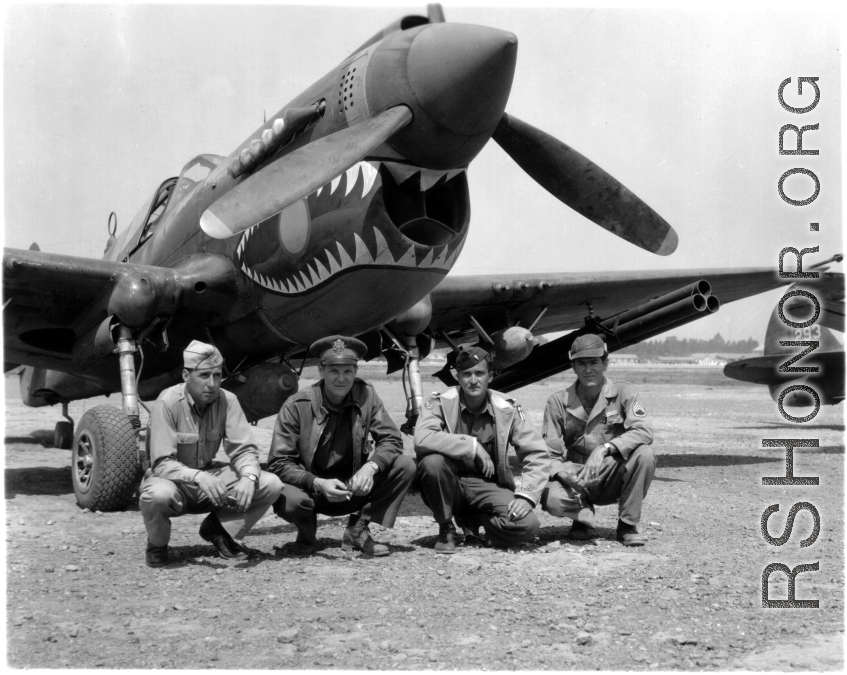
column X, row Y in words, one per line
column 343, row 213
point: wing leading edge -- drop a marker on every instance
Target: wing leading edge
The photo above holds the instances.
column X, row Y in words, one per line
column 561, row 302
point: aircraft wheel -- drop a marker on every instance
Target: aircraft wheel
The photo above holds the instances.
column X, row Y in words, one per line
column 105, row 460
column 63, row 435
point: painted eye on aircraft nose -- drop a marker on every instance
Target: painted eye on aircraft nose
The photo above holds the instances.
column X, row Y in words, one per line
column 293, row 226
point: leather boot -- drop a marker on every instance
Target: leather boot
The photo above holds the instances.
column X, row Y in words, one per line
column 212, row 531
column 470, row 528
column 157, row 556
column 357, row 537
column 446, row 542
column 628, row 535
column 307, row 537
column 581, row 531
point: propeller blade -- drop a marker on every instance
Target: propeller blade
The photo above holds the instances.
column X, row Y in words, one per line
column 299, row 173
column 580, row 184
column 435, row 13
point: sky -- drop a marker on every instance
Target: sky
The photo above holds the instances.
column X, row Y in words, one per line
column 103, row 102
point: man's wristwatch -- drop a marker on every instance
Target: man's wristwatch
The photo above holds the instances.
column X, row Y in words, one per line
column 609, row 447
column 253, row 478
column 374, row 466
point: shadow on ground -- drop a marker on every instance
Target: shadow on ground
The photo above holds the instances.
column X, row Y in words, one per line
column 38, row 481
column 685, row 461
column 43, row 437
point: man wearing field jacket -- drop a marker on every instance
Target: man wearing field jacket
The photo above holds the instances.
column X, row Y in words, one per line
column 320, row 450
column 461, row 440
column 598, row 433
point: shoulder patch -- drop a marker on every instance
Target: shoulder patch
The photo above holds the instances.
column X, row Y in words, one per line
column 638, row 409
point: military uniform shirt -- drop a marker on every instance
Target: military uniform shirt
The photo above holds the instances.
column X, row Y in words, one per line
column 617, row 418
column 480, row 426
column 181, row 441
column 334, row 454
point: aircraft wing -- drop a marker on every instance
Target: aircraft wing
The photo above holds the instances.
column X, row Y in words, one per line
column 50, row 299
column 561, row 302
column 500, row 300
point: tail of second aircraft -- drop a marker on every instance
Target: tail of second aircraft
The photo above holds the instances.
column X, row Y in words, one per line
column 827, row 357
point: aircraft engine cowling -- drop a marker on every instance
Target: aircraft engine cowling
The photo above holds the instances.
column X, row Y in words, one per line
column 262, row 389
column 511, row 346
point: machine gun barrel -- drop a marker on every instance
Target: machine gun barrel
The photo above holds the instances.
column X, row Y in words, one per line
column 701, row 287
column 663, row 315
column 640, row 323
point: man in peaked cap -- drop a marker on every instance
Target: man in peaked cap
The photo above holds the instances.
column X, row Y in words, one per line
column 598, row 433
column 338, row 452
column 461, row 440
column 187, row 425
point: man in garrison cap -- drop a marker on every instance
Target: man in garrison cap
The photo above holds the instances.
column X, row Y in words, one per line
column 461, row 440
column 187, row 425
column 338, row 452
column 598, row 432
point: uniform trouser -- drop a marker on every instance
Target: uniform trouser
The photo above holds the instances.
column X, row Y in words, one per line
column 380, row 505
column 481, row 500
column 622, row 482
column 163, row 499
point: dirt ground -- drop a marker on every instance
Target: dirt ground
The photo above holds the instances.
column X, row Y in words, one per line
column 80, row 596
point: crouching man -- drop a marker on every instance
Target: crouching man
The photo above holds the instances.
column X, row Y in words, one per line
column 598, row 433
column 320, row 450
column 461, row 440
column 187, row 425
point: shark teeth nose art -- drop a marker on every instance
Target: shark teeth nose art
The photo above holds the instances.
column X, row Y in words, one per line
column 338, row 258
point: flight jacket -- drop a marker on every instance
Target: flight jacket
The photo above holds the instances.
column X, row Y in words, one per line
column 618, row 418
column 434, row 433
column 302, row 419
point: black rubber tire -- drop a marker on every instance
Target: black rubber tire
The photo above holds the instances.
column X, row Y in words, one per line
column 104, row 462
column 63, row 435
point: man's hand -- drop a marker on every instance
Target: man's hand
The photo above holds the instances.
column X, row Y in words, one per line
column 212, row 486
column 243, row 493
column 484, row 459
column 362, row 481
column 594, row 463
column 519, row 508
column 333, row 489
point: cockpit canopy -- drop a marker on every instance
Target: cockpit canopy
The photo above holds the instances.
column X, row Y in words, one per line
column 164, row 201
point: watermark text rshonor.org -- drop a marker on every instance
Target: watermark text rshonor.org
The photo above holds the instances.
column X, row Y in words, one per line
column 810, row 93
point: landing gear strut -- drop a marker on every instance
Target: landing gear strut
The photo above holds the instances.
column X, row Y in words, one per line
column 129, row 393
column 105, row 447
column 414, row 398
column 63, row 432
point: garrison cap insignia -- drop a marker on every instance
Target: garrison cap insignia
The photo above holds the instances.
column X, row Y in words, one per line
column 638, row 409
column 468, row 357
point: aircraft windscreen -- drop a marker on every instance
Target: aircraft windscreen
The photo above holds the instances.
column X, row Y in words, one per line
column 193, row 173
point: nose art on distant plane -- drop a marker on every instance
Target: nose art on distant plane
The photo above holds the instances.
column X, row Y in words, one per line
column 461, row 75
